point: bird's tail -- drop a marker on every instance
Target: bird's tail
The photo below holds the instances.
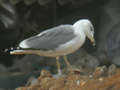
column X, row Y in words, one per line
column 24, row 52
column 18, row 50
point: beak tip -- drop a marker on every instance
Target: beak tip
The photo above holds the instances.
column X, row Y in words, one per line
column 93, row 41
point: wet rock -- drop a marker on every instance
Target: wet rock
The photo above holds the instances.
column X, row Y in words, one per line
column 113, row 44
column 76, row 82
column 112, row 69
column 32, row 81
column 100, row 71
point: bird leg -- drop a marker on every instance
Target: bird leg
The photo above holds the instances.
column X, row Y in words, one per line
column 67, row 62
column 58, row 66
column 69, row 66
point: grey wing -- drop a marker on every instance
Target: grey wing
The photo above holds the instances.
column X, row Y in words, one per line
column 51, row 38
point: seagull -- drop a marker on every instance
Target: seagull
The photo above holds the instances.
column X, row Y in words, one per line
column 58, row 41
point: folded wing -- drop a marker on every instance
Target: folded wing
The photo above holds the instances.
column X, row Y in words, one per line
column 49, row 39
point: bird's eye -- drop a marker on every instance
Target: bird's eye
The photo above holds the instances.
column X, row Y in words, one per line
column 91, row 29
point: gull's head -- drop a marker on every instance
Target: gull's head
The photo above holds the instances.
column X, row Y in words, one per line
column 87, row 27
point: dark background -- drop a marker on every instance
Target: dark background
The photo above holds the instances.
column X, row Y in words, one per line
column 25, row 18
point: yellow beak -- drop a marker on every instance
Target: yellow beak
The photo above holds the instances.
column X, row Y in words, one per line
column 93, row 41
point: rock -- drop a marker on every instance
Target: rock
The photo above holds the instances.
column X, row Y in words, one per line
column 76, row 82
column 112, row 69
column 113, row 44
column 32, row 81
column 108, row 22
column 10, row 18
column 82, row 59
column 109, row 18
column 100, row 71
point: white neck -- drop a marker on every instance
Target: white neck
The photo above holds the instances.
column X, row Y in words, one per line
column 79, row 28
column 79, row 31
